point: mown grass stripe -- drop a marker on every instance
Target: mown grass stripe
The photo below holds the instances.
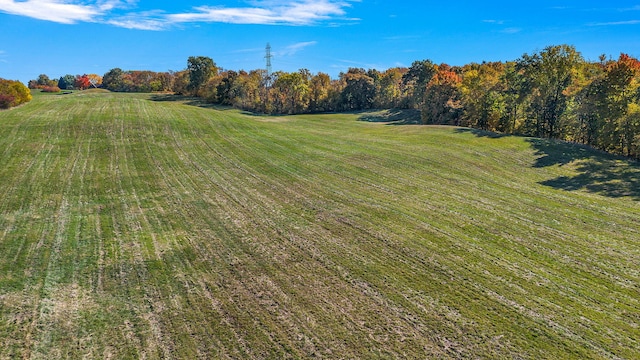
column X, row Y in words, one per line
column 192, row 232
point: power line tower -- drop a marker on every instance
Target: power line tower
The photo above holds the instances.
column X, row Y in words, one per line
column 268, row 57
column 267, row 81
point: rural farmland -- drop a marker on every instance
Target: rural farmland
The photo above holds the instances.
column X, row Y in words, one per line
column 147, row 226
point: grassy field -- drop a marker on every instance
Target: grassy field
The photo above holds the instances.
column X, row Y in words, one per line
column 136, row 227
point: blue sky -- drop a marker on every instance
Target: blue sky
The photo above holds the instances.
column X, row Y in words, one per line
column 58, row 37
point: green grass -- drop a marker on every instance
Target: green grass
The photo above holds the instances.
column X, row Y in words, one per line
column 132, row 228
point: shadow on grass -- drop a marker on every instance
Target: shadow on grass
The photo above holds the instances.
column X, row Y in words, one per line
column 391, row 117
column 554, row 152
column 482, row 133
column 597, row 172
column 189, row 100
column 605, row 178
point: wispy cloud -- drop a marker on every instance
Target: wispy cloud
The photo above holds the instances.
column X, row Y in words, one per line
column 2, row 56
column 633, row 8
column 266, row 12
column 617, row 23
column 149, row 20
column 401, row 37
column 248, row 50
column 500, row 23
column 342, row 63
column 294, row 49
column 511, row 30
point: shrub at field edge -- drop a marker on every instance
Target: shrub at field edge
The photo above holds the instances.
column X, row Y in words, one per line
column 13, row 93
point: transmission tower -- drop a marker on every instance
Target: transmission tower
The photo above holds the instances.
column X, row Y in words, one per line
column 268, row 57
column 267, row 78
column 267, row 81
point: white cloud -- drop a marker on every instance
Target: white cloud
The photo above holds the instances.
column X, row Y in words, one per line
column 108, row 5
column 150, row 20
column 228, row 15
column 51, row 10
column 269, row 12
column 135, row 23
column 303, row 12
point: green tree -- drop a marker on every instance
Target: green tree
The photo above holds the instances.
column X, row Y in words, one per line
column 239, row 89
column 359, row 91
column 255, row 98
column 66, row 82
column 617, row 99
column 291, row 92
column 589, row 103
column 481, row 90
column 201, row 69
column 43, row 80
column 389, row 88
column 113, row 80
column 415, row 82
column 319, row 88
column 547, row 75
column 225, row 89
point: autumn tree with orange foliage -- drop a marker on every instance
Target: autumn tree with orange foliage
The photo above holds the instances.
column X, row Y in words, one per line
column 95, row 80
column 442, row 98
column 82, row 82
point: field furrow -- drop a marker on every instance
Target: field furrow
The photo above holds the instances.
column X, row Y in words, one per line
column 134, row 228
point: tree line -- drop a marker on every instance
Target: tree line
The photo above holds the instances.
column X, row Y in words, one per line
column 66, row 82
column 553, row 93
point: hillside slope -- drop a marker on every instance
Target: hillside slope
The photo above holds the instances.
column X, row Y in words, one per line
column 133, row 228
